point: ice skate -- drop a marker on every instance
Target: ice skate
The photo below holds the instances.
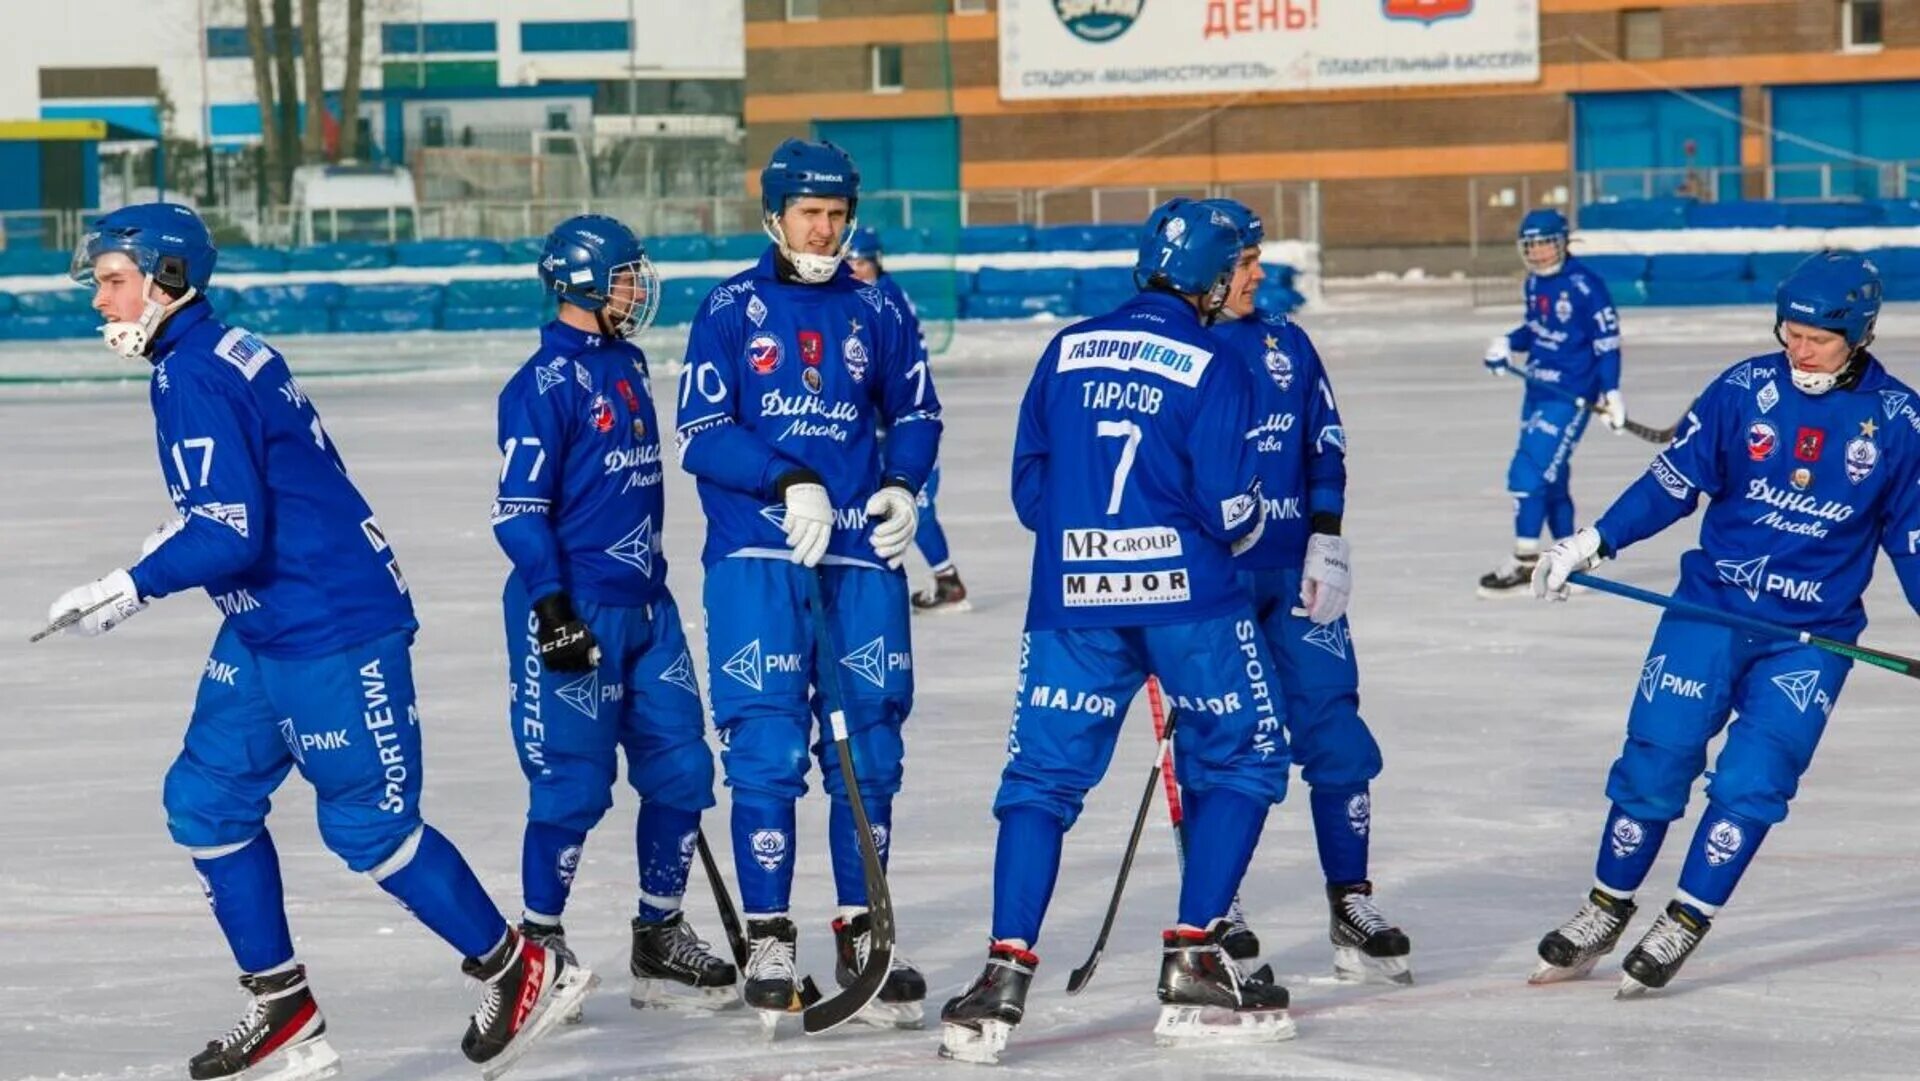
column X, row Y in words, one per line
column 280, row 1037
column 948, row 594
column 553, row 938
column 1657, row 958
column 974, row 1027
column 673, row 968
column 1240, row 942
column 902, row 999
column 1570, row 951
column 1205, row 1000
column 771, row 987
column 528, row 991
column 1366, row 948
column 1513, row 578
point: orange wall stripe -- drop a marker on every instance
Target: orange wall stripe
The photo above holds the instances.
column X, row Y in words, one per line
column 1288, row 165
column 888, row 29
column 1753, row 149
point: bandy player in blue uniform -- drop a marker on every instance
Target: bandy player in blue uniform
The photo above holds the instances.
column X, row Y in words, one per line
column 949, row 593
column 1134, row 466
column 792, row 367
column 1809, row 459
column 597, row 659
column 1571, row 340
column 310, row 671
column 1299, row 578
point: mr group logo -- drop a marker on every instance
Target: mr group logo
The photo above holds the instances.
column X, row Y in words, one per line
column 1426, row 11
column 1098, row 21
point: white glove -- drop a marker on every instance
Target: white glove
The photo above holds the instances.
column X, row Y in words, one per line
column 1577, row 553
column 1613, row 410
column 1326, row 581
column 160, row 535
column 808, row 522
column 116, row 587
column 895, row 519
column 1497, row 355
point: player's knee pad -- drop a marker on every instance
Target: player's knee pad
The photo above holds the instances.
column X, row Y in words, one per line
column 878, row 754
column 1651, row 781
column 1336, row 752
column 1050, row 793
column 202, row 814
column 1756, row 779
column 365, row 837
column 765, row 754
column 677, row 774
column 572, row 793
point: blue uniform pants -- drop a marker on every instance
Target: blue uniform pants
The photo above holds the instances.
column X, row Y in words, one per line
column 1539, row 475
column 931, row 539
column 764, row 671
column 643, row 699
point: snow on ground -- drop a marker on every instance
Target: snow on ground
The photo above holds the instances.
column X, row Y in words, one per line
column 1498, row 720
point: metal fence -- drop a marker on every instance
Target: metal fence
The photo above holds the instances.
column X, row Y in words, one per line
column 1792, row 181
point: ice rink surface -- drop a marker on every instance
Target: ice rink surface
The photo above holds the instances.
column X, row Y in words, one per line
column 1498, row 719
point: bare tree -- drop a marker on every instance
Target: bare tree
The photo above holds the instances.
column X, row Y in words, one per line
column 289, row 91
column 275, row 179
column 350, row 88
column 313, row 137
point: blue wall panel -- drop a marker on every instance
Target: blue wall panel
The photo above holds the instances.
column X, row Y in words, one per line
column 1650, row 130
column 1878, row 121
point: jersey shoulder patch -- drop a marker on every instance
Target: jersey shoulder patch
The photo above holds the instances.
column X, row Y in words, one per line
column 241, row 349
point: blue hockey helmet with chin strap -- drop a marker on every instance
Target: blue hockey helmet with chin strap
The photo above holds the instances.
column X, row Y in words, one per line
column 1838, row 291
column 584, row 262
column 1190, row 248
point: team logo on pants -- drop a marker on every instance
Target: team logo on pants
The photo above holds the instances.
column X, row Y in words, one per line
column 1626, row 836
column 1723, row 842
column 566, row 863
column 1360, row 813
column 769, row 848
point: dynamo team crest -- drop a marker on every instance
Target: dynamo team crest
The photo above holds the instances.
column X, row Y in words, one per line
column 1426, row 11
column 1099, row 21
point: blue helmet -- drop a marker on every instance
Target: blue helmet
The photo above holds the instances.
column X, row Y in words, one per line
column 1833, row 290
column 166, row 241
column 583, row 258
column 1543, row 224
column 1190, row 248
column 864, row 244
column 798, row 167
column 1252, row 230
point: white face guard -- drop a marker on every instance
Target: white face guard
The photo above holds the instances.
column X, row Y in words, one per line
column 1557, row 243
column 646, row 298
column 1815, row 383
column 809, row 268
column 129, row 341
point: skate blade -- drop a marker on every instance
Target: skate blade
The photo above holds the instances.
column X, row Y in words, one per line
column 1352, row 965
column 309, row 1061
column 944, row 609
column 1547, row 972
column 1215, row 1026
column 1630, row 988
column 804, row 995
column 907, row 1015
column 1513, row 594
column 981, row 1046
column 568, row 992
column 653, row 994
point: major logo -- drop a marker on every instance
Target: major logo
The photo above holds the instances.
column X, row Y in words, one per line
column 1426, row 11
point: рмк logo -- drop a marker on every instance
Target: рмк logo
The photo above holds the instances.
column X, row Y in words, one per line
column 1101, row 20
column 1426, row 11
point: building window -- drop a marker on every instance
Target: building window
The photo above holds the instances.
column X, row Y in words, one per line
column 605, row 36
column 559, row 118
column 969, row 7
column 408, row 39
column 1640, row 35
column 886, row 69
column 433, row 127
column 410, row 74
column 802, row 9
column 227, row 43
column 1860, row 25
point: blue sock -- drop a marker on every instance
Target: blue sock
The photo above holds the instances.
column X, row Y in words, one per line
column 763, row 849
column 1628, row 847
column 1529, row 514
column 1222, row 827
column 1342, row 821
column 849, row 871
column 549, row 856
column 243, row 888
column 664, row 838
column 1026, row 862
column 1560, row 510
column 429, row 876
column 931, row 539
column 1722, row 847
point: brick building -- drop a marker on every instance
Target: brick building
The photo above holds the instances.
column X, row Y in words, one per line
column 1717, row 98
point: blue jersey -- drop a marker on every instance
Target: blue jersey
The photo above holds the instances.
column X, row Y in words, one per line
column 893, row 292
column 275, row 531
column 1801, row 488
column 1135, row 468
column 1302, row 443
column 781, row 375
column 581, row 506
column 1572, row 333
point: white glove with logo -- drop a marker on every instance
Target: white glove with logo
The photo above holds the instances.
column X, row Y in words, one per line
column 161, row 533
column 1577, row 553
column 1497, row 355
column 1613, row 410
column 808, row 523
column 895, row 519
column 1326, row 581
column 116, row 589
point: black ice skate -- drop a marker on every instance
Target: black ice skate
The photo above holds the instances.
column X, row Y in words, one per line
column 1570, row 952
column 1513, row 578
column 974, row 1027
column 553, row 938
column 1366, row 948
column 528, row 990
column 281, row 1037
column 902, row 999
column 1206, row 1000
column 672, row 967
column 1665, row 947
column 947, row 595
column 1240, row 942
column 771, row 985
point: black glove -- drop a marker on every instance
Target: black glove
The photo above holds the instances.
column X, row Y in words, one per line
column 566, row 642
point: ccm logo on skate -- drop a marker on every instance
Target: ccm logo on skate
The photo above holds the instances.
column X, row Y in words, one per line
column 1099, row 590
column 1093, row 545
